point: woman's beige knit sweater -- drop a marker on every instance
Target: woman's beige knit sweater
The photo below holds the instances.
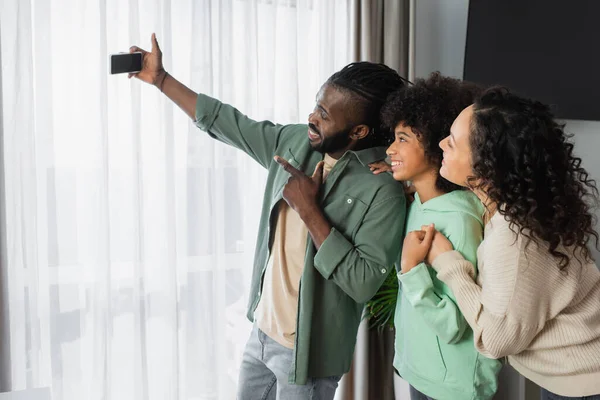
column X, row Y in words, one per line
column 546, row 321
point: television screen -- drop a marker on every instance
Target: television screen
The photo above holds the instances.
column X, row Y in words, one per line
column 548, row 50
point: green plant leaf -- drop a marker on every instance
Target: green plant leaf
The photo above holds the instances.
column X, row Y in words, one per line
column 381, row 308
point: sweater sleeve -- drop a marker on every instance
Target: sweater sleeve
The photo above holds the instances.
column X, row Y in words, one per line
column 508, row 307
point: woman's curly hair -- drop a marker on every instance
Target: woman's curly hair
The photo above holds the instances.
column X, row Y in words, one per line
column 429, row 108
column 523, row 159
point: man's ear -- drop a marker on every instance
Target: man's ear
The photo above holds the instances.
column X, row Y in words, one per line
column 360, row 132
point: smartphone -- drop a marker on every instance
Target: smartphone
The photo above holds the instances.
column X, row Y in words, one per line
column 125, row 62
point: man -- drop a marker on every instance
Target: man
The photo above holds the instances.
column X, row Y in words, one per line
column 326, row 241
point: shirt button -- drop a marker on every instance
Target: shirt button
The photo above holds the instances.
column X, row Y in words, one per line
column 383, row 270
column 349, row 201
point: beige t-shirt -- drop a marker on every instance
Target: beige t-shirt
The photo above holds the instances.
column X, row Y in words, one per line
column 277, row 310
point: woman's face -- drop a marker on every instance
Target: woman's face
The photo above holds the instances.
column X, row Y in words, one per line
column 457, row 162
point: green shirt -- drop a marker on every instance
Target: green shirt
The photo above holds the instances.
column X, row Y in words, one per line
column 366, row 211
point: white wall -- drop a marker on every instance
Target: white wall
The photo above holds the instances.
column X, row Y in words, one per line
column 441, row 28
column 587, row 142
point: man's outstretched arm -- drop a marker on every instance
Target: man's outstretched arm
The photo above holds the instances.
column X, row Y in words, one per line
column 221, row 121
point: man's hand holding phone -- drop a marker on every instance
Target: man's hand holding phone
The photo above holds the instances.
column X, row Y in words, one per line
column 152, row 71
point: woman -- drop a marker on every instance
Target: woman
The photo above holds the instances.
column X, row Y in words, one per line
column 536, row 299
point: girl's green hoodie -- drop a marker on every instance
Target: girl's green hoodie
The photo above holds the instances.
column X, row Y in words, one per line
column 434, row 345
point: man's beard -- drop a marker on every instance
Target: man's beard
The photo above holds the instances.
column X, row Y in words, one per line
column 332, row 143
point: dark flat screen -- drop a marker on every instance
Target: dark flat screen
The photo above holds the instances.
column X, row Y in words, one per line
column 545, row 49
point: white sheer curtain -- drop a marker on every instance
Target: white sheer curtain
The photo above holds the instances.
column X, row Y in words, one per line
column 129, row 233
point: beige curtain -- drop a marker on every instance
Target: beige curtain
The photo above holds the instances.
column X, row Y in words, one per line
column 379, row 33
column 372, row 373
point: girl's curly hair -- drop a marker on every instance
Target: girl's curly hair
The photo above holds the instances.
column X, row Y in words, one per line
column 429, row 108
column 524, row 161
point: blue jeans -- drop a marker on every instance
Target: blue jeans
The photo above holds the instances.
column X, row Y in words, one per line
column 264, row 374
column 546, row 395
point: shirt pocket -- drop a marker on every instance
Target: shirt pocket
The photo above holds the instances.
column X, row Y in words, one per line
column 345, row 213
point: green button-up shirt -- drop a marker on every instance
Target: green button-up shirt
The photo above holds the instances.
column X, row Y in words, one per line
column 366, row 211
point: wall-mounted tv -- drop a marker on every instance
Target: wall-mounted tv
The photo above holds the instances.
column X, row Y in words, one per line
column 545, row 49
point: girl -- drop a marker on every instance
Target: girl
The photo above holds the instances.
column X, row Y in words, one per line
column 434, row 344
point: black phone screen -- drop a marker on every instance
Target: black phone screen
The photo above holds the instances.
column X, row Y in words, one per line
column 122, row 63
